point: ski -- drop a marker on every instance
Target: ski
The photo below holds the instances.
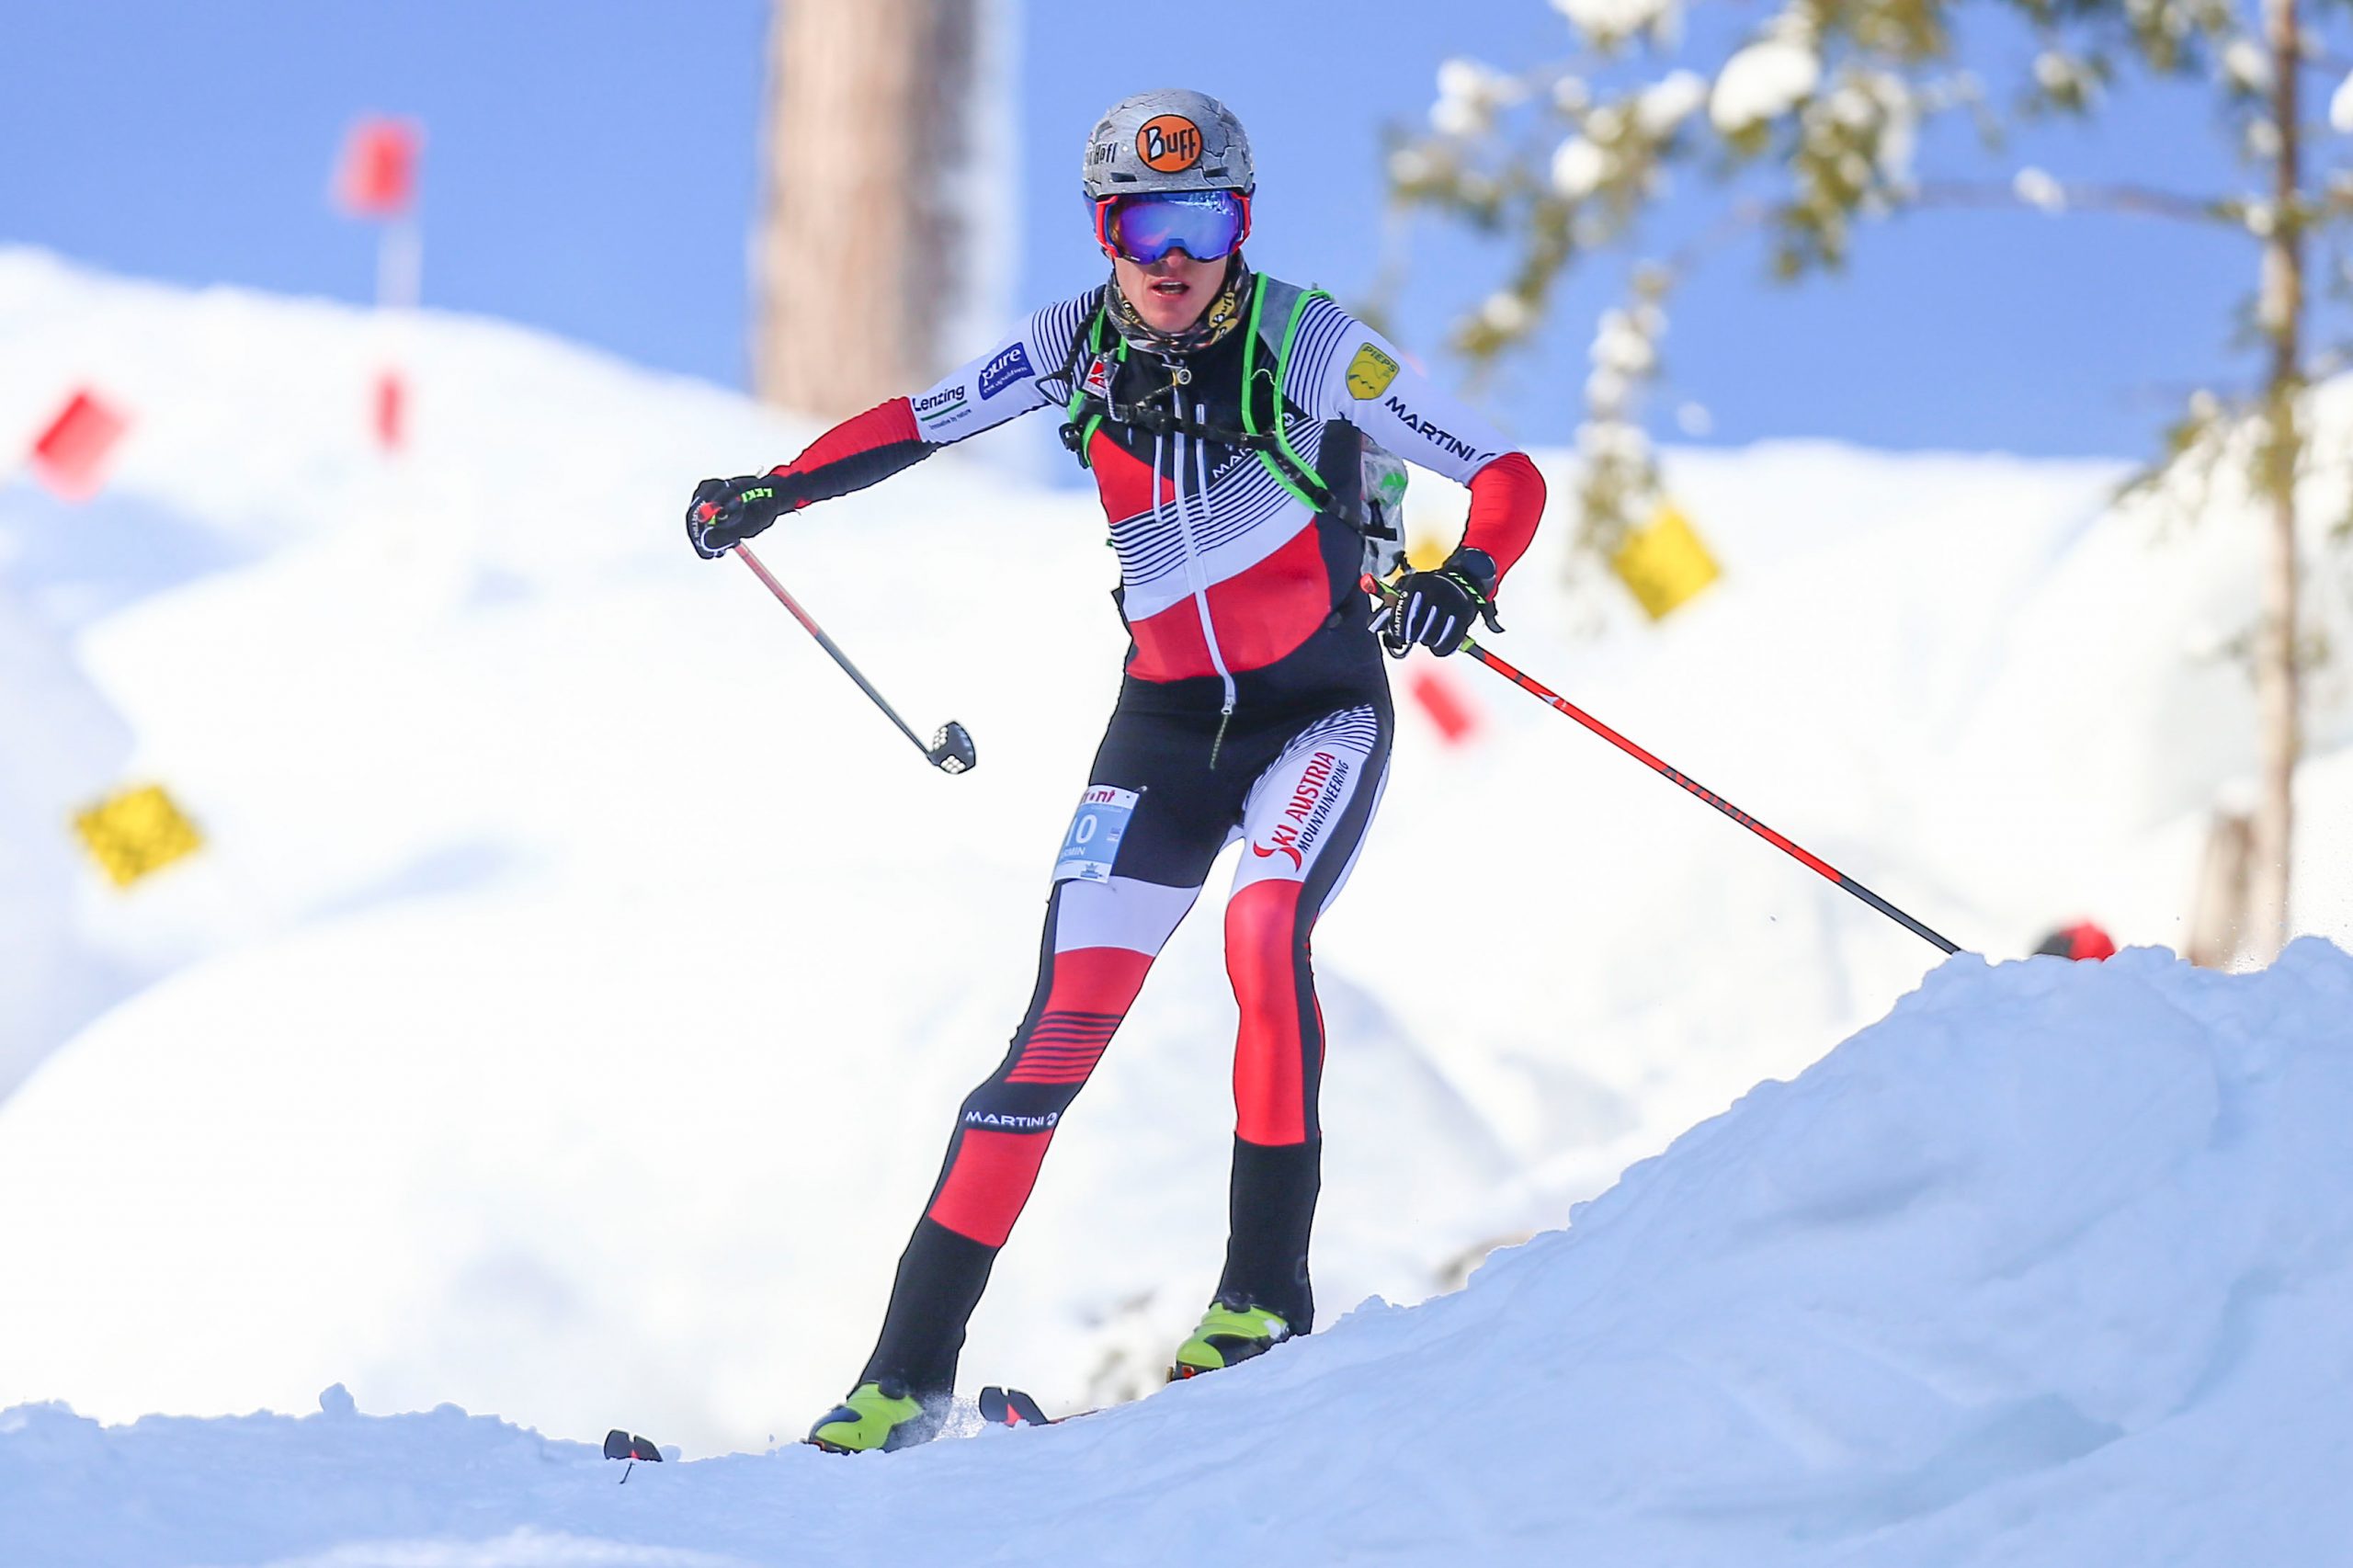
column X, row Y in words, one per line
column 1012, row 1407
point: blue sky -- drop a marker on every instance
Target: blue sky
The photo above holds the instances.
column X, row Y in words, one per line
column 591, row 169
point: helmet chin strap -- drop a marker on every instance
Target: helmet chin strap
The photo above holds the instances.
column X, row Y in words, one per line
column 1225, row 311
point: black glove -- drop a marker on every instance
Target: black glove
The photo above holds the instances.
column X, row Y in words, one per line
column 726, row 512
column 1436, row 608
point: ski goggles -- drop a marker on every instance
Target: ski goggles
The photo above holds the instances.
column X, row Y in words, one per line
column 1204, row 224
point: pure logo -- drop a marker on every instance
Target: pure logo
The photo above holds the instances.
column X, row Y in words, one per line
column 1169, row 143
column 1001, row 372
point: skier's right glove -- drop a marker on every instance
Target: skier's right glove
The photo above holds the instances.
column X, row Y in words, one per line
column 726, row 512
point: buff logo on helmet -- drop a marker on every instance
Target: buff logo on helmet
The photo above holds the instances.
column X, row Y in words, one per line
column 1169, row 143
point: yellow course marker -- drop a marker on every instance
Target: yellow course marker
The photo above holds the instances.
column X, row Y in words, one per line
column 1665, row 561
column 136, row 832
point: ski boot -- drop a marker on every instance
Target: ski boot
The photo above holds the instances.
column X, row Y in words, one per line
column 1227, row 1334
column 878, row 1415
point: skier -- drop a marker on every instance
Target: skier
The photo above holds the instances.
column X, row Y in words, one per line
column 1230, row 421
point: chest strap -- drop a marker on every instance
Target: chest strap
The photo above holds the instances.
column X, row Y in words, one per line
column 1268, row 439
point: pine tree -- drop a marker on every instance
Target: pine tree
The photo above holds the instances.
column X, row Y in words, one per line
column 1825, row 100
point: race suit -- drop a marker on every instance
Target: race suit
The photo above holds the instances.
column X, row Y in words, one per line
column 1254, row 705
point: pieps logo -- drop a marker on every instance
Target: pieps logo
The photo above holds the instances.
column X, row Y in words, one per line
column 1369, row 374
column 1169, row 143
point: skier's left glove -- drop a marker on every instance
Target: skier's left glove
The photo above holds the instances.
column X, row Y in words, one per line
column 726, row 512
column 1436, row 608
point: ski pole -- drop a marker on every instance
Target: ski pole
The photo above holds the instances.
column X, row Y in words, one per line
column 1389, row 595
column 951, row 747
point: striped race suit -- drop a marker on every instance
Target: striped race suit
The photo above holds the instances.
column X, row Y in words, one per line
column 1255, row 706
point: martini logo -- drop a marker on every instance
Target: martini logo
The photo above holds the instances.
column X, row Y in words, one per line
column 1169, row 143
column 1369, row 374
column 1429, row 430
column 1008, row 1122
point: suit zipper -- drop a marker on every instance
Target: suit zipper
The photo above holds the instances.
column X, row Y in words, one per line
column 1196, row 575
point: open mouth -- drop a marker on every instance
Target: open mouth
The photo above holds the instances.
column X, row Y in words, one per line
column 1168, row 288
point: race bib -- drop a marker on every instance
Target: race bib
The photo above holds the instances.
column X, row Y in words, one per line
column 1093, row 840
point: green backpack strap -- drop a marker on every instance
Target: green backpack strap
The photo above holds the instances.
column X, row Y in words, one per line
column 1290, row 470
column 1078, row 426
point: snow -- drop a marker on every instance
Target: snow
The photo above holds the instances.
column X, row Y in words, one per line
column 1469, row 95
column 1763, row 82
column 1662, row 108
column 2246, row 65
column 2039, row 190
column 2051, row 1265
column 565, row 1018
column 1607, row 22
column 1578, row 168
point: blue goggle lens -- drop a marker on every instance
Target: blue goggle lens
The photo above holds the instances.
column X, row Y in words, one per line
column 1204, row 224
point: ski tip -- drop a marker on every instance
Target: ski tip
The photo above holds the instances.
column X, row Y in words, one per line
column 1011, row 1407
column 620, row 1444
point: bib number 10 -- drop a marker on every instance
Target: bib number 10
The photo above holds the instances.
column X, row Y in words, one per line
column 1092, row 844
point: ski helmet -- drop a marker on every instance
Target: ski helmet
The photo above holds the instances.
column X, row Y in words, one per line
column 1171, row 139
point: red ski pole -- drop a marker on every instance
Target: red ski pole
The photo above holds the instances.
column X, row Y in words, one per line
column 1813, row 862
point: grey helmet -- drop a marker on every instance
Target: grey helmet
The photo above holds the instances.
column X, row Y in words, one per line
column 1171, row 139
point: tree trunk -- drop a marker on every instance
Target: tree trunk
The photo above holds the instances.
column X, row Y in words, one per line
column 2282, row 312
column 2218, row 909
column 857, row 268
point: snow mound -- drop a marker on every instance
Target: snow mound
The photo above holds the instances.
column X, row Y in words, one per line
column 580, row 977
column 2052, row 1266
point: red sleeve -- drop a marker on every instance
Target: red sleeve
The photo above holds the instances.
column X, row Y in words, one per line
column 861, row 451
column 1506, row 500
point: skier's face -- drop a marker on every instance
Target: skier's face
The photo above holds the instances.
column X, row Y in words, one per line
column 1171, row 293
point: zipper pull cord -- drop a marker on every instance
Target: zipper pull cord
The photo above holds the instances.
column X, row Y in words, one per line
column 1225, row 717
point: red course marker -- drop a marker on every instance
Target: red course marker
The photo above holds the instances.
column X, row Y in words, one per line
column 378, row 175
column 70, row 455
column 1443, row 698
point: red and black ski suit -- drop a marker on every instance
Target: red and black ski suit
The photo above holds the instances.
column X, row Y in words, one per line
column 1255, row 706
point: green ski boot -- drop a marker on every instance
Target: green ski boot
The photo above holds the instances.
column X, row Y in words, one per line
column 877, row 1415
column 1227, row 1334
